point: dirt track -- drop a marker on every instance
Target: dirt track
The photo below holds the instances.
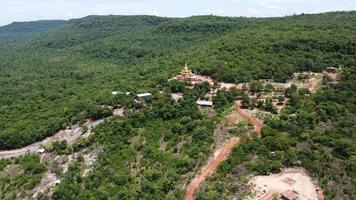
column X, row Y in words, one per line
column 257, row 124
column 220, row 155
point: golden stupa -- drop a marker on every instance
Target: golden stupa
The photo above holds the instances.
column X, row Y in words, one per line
column 186, row 71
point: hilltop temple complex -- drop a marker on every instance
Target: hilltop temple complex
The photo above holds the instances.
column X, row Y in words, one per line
column 187, row 75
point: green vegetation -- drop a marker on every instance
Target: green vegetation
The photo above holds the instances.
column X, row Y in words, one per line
column 21, row 31
column 316, row 132
column 19, row 175
column 145, row 154
column 222, row 97
column 67, row 75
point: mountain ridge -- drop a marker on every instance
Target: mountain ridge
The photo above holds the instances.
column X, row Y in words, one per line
column 26, row 30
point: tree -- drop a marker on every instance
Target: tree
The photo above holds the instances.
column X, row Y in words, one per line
column 256, row 87
column 201, row 89
column 59, row 147
column 351, row 166
column 268, row 106
column 291, row 90
column 219, row 99
column 201, row 134
column 281, row 100
column 326, row 79
column 176, row 86
column 245, row 100
column 269, row 88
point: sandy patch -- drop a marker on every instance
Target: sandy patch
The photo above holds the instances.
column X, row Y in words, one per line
column 294, row 180
column 176, row 96
column 118, row 112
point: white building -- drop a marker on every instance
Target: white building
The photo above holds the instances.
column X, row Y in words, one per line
column 143, row 95
column 204, row 103
column 41, row 150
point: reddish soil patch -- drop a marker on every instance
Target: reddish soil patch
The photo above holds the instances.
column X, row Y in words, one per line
column 333, row 76
column 257, row 124
column 220, row 155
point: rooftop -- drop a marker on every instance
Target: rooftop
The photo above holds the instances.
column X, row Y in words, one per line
column 144, row 95
column 289, row 195
column 204, row 103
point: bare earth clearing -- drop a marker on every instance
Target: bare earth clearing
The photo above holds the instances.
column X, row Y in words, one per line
column 50, row 179
column 71, row 134
column 294, row 180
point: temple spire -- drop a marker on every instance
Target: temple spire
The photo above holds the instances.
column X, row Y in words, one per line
column 186, row 68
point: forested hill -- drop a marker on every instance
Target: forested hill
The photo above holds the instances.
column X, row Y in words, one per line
column 64, row 75
column 25, row 30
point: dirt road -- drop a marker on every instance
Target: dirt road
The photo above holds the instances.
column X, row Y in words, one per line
column 255, row 122
column 220, row 155
column 70, row 135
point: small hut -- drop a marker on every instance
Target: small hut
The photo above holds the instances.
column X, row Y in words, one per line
column 289, row 195
column 204, row 103
column 143, row 96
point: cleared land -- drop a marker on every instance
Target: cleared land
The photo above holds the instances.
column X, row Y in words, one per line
column 294, row 180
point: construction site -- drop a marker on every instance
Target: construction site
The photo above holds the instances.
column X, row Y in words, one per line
column 290, row 184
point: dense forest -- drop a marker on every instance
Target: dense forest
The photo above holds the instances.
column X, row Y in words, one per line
column 21, row 31
column 66, row 71
column 63, row 76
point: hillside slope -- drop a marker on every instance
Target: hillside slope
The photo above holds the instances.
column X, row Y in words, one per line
column 66, row 74
column 25, row 30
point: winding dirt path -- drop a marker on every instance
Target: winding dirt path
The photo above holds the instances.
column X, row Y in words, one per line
column 220, row 155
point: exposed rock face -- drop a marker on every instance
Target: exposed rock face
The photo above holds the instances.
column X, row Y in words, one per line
column 48, row 181
column 61, row 160
column 89, row 160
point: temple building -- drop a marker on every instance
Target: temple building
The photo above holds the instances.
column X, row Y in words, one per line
column 187, row 75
